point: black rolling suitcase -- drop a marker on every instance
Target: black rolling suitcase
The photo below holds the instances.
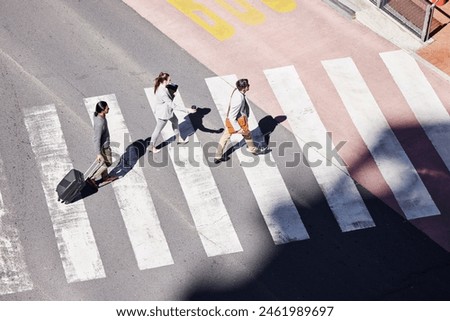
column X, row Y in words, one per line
column 74, row 181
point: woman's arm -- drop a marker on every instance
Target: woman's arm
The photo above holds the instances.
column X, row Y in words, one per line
column 169, row 102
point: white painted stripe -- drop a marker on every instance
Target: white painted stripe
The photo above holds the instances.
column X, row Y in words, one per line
column 210, row 216
column 425, row 104
column 333, row 178
column 133, row 196
column 74, row 236
column 14, row 276
column 387, row 152
column 263, row 175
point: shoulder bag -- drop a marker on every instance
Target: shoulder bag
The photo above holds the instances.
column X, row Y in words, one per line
column 242, row 121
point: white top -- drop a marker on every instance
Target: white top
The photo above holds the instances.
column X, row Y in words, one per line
column 238, row 106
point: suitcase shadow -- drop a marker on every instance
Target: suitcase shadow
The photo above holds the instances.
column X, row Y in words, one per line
column 86, row 191
column 133, row 153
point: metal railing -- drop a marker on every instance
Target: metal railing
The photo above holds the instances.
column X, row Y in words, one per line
column 415, row 15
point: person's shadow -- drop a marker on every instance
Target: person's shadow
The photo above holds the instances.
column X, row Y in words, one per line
column 130, row 157
column 191, row 123
column 261, row 134
column 196, row 120
column 133, row 153
column 268, row 124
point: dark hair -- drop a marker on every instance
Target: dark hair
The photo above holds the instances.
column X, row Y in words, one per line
column 242, row 83
column 101, row 106
column 158, row 80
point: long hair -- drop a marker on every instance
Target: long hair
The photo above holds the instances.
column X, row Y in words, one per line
column 101, row 106
column 158, row 80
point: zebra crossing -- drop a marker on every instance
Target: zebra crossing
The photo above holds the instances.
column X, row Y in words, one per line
column 141, row 220
column 338, row 188
column 73, row 233
column 14, row 275
column 392, row 161
column 75, row 238
column 210, row 216
column 286, row 226
column 422, row 99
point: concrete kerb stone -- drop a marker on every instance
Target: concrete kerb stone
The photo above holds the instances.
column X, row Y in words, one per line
column 341, row 8
column 379, row 22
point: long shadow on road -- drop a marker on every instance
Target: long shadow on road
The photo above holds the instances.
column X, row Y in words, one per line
column 392, row 261
column 395, row 260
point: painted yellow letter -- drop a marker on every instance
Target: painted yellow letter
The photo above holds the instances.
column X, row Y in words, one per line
column 205, row 18
column 249, row 15
column 281, row 5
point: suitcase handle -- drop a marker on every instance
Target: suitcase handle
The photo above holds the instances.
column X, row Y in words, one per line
column 92, row 169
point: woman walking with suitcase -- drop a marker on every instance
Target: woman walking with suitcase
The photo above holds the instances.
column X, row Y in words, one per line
column 102, row 146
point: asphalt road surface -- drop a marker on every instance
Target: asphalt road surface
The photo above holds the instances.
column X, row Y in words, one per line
column 57, row 58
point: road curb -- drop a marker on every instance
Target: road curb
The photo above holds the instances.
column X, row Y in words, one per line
column 341, row 8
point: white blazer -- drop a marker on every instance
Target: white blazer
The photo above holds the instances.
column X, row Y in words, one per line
column 238, row 106
column 164, row 104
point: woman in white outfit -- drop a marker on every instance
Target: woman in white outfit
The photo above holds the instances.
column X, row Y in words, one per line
column 164, row 110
